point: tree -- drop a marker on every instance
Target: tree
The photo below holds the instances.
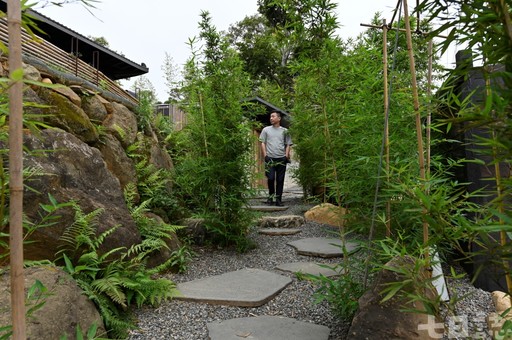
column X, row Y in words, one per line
column 253, row 38
column 172, row 79
column 143, row 85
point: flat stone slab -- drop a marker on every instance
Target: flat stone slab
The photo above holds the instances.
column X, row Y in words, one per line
column 248, row 287
column 308, row 268
column 266, row 328
column 283, row 221
column 279, row 231
column 322, row 247
column 267, row 208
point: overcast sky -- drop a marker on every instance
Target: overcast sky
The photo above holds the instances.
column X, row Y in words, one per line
column 143, row 31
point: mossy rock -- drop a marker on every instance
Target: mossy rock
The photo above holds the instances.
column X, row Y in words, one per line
column 63, row 114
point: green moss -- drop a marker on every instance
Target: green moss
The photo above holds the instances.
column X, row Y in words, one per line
column 63, row 114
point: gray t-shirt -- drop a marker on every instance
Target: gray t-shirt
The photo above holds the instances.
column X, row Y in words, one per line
column 276, row 140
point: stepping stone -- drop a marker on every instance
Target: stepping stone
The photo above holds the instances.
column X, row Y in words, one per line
column 322, row 247
column 286, row 221
column 308, row 268
column 266, row 328
column 266, row 208
column 248, row 287
column 279, row 231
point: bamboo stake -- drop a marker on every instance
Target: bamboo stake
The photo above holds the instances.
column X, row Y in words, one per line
column 398, row 29
column 16, row 172
column 419, row 135
column 429, row 108
column 386, row 120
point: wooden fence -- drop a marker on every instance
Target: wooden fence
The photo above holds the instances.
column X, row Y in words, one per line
column 57, row 59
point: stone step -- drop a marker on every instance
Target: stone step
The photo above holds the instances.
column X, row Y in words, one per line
column 309, row 268
column 247, row 287
column 266, row 328
column 322, row 247
column 279, row 231
column 266, row 208
column 283, row 221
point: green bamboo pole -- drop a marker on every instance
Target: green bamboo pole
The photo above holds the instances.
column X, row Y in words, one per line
column 386, row 115
column 419, row 135
column 16, row 171
column 429, row 111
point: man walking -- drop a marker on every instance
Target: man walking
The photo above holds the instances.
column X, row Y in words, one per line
column 275, row 145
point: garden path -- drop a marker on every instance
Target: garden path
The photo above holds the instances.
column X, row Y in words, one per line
column 251, row 287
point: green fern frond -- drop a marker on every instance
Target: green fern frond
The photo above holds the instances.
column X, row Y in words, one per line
column 130, row 194
column 82, row 232
column 99, row 240
column 112, row 287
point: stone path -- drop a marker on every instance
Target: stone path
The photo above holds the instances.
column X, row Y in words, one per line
column 251, row 287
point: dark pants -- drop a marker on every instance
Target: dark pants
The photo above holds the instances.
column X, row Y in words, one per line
column 275, row 170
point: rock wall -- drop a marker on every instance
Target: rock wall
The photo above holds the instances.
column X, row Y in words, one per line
column 82, row 158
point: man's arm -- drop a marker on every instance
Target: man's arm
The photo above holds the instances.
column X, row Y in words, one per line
column 287, row 151
column 264, row 149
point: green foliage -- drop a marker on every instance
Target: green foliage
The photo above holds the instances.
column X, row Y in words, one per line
column 484, row 27
column 341, row 292
column 441, row 202
column 146, row 109
column 48, row 216
column 34, row 301
column 213, row 177
column 113, row 280
column 153, row 185
column 154, row 234
column 338, row 125
column 89, row 335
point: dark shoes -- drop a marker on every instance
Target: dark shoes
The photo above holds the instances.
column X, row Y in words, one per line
column 278, row 203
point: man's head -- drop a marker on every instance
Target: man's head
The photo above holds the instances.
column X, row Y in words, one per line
column 275, row 118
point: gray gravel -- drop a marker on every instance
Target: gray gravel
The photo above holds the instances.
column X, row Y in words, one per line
column 187, row 320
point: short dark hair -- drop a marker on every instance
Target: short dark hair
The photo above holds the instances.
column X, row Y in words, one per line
column 277, row 113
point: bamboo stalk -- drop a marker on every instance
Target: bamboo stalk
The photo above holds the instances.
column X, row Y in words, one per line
column 419, row 135
column 429, row 108
column 16, row 172
column 204, row 124
column 386, row 120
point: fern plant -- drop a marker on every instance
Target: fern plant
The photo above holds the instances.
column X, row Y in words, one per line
column 154, row 183
column 154, row 234
column 113, row 280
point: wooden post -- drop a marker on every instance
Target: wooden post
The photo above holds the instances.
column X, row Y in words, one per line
column 16, row 171
column 419, row 134
column 386, row 118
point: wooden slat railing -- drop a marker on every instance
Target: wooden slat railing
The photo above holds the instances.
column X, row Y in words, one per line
column 60, row 60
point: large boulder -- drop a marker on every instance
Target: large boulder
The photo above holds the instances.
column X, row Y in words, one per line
column 65, row 306
column 388, row 320
column 157, row 156
column 122, row 123
column 64, row 114
column 327, row 213
column 173, row 244
column 95, row 108
column 71, row 170
column 117, row 160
